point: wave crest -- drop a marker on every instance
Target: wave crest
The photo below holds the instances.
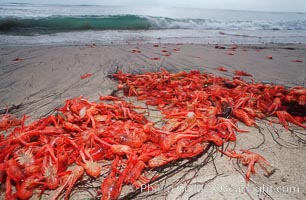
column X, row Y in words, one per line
column 135, row 22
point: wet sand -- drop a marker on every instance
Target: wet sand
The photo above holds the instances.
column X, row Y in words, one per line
column 41, row 78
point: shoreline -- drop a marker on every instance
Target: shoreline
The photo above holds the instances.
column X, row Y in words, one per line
column 227, row 45
column 165, row 36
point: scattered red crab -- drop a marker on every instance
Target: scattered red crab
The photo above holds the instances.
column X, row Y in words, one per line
column 85, row 76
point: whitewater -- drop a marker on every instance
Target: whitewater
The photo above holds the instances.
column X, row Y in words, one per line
column 49, row 24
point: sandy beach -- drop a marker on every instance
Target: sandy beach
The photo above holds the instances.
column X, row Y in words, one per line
column 40, row 78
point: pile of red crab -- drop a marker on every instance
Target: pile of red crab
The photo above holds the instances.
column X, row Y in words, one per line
column 55, row 152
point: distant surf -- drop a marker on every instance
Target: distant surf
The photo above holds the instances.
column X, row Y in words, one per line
column 37, row 24
column 54, row 24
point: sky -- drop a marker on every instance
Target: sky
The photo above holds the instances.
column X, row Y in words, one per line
column 260, row 5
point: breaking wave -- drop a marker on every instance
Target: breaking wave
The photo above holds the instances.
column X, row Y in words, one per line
column 53, row 24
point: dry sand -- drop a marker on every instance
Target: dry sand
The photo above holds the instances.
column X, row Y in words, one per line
column 47, row 75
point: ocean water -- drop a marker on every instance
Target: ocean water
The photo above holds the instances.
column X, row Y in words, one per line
column 22, row 24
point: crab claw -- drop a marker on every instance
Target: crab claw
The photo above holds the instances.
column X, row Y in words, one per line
column 284, row 116
column 248, row 159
